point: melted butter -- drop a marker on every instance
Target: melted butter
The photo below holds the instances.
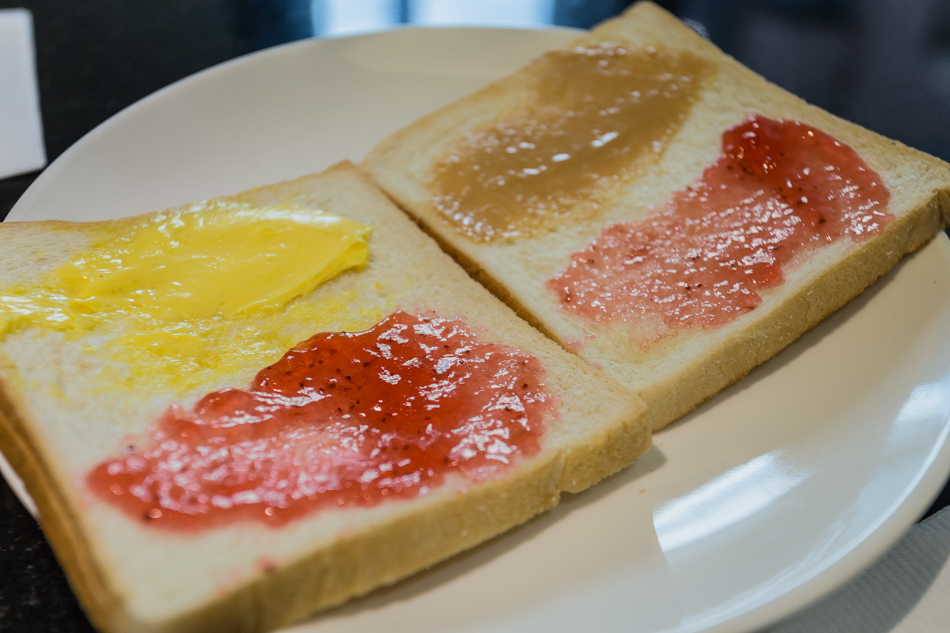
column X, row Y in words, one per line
column 220, row 259
column 595, row 117
column 186, row 296
column 193, row 354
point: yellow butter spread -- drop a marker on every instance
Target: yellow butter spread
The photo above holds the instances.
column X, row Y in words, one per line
column 210, row 288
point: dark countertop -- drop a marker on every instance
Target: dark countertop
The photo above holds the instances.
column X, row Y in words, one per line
column 884, row 64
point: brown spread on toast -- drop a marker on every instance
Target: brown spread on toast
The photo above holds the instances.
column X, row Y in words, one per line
column 594, row 117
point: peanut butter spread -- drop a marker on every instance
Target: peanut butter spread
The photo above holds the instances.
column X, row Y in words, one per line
column 593, row 118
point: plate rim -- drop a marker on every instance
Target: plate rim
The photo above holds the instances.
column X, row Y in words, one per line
column 876, row 539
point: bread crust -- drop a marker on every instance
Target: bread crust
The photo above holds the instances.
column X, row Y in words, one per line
column 681, row 371
column 59, row 525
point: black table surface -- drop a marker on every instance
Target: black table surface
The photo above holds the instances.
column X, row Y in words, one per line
column 884, row 64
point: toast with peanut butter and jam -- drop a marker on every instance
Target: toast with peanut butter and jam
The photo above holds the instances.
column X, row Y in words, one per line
column 659, row 209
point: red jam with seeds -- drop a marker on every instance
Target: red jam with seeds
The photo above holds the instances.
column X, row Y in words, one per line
column 779, row 189
column 341, row 419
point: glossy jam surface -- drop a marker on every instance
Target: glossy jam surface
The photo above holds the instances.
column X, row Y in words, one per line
column 594, row 117
column 779, row 189
column 341, row 419
column 186, row 291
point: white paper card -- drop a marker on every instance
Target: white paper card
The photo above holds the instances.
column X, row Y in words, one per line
column 21, row 127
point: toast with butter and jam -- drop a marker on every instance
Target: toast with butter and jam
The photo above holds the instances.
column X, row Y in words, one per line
column 235, row 413
column 659, row 209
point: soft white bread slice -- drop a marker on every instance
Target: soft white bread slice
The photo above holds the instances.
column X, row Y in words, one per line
column 57, row 422
column 688, row 366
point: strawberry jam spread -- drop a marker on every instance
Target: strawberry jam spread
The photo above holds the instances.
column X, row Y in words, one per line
column 779, row 189
column 341, row 419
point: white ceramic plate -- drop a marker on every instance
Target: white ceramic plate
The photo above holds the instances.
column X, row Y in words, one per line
column 769, row 496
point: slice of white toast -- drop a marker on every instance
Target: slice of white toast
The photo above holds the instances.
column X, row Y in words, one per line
column 63, row 412
column 676, row 369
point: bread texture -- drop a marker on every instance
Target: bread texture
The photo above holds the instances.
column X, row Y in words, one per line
column 56, row 423
column 680, row 371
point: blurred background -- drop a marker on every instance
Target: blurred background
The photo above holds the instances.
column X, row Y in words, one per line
column 884, row 64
